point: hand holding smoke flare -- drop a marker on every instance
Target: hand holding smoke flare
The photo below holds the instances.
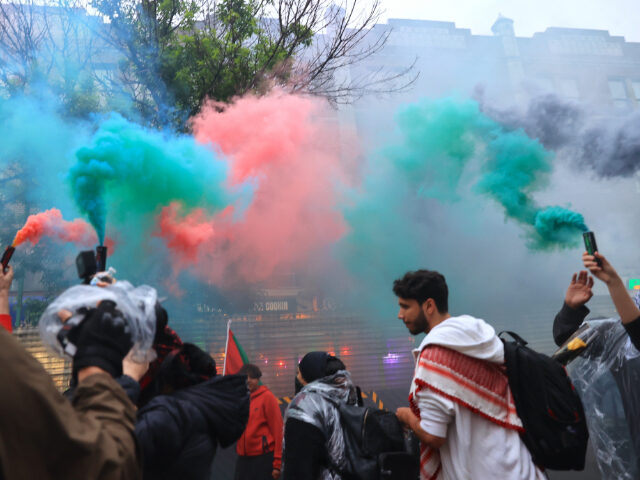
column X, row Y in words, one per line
column 6, row 257
column 51, row 224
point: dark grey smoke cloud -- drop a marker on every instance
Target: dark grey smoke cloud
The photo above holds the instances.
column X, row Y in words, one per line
column 608, row 145
column 613, row 149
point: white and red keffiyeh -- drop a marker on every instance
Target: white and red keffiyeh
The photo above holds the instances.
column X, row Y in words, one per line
column 478, row 385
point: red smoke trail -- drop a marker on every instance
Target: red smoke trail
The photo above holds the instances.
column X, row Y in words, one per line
column 185, row 235
column 285, row 147
column 51, row 224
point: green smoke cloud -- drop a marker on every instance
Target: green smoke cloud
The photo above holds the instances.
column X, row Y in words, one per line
column 129, row 171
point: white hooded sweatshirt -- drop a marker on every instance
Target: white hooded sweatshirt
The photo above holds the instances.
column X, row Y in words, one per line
column 475, row 448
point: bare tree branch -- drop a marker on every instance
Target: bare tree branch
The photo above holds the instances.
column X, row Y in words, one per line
column 344, row 34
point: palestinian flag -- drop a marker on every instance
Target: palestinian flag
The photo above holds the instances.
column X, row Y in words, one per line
column 234, row 356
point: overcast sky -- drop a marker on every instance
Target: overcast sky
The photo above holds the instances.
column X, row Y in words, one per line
column 620, row 17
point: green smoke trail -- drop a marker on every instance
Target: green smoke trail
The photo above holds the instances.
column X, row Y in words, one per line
column 557, row 226
column 442, row 138
column 515, row 167
column 130, row 171
column 438, row 140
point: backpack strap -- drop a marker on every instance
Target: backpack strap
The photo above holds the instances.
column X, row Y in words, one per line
column 519, row 340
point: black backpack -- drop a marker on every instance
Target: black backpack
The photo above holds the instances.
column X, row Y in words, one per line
column 376, row 446
column 550, row 409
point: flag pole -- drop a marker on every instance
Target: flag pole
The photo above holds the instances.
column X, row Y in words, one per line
column 226, row 348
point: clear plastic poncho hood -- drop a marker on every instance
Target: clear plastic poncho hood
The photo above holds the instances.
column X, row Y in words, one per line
column 136, row 303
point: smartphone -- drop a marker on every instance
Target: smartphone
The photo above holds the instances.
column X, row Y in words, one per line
column 590, row 244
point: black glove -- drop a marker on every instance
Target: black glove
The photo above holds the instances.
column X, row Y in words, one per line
column 102, row 339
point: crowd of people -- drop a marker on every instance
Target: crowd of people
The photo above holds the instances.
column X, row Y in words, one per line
column 123, row 419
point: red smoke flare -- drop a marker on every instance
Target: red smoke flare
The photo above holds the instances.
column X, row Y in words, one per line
column 51, row 224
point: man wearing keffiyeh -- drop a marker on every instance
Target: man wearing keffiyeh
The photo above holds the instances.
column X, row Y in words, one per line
column 461, row 407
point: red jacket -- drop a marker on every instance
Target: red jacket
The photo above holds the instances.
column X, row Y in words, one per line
column 264, row 429
column 5, row 321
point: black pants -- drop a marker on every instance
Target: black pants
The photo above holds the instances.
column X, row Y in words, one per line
column 258, row 467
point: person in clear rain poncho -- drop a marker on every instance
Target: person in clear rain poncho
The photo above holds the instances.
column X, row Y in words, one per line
column 607, row 371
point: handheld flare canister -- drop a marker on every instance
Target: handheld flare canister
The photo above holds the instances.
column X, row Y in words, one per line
column 101, row 258
column 590, row 245
column 6, row 256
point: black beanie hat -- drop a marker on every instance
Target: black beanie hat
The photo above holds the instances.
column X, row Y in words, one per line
column 313, row 365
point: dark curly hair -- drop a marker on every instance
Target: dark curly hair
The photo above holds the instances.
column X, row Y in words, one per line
column 422, row 285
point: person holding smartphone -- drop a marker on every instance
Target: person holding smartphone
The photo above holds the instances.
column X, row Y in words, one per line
column 629, row 312
column 609, row 372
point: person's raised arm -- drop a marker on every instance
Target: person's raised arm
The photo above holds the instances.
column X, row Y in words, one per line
column 624, row 304
column 573, row 311
column 98, row 427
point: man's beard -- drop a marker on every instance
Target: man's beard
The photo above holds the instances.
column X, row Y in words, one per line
column 420, row 325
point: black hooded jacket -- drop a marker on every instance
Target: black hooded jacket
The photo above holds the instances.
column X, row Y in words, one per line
column 179, row 433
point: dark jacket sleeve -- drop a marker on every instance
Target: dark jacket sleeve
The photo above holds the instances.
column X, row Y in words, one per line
column 130, row 386
column 304, row 453
column 161, row 431
column 567, row 322
column 633, row 330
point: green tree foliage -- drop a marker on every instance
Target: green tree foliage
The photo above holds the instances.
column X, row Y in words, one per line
column 226, row 56
column 177, row 53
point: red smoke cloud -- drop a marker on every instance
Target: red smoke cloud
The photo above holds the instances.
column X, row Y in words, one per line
column 285, row 147
column 51, row 224
column 184, row 235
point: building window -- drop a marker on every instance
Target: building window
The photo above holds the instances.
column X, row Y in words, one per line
column 569, row 88
column 635, row 86
column 545, row 84
column 618, row 91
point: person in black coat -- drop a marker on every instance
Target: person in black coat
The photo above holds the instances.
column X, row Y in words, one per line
column 194, row 410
